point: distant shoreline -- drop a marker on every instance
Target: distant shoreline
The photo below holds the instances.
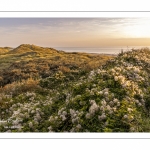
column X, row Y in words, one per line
column 103, row 54
column 106, row 50
column 91, row 53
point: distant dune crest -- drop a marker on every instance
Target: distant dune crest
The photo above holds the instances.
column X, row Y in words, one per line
column 23, row 48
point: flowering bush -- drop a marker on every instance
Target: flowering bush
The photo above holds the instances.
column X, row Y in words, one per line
column 111, row 98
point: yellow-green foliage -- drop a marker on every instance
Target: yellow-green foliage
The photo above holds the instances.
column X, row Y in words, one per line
column 36, row 82
column 20, row 87
column 27, row 61
column 4, row 50
column 74, row 92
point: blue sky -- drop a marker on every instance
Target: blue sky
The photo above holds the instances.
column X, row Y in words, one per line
column 75, row 32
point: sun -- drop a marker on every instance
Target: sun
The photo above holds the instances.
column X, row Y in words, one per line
column 140, row 29
column 137, row 31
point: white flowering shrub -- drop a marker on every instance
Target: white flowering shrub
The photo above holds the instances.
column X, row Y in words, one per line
column 112, row 98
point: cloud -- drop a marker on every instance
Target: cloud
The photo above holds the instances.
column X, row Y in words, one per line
column 57, row 31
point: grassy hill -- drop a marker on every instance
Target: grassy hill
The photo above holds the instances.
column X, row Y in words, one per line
column 27, row 69
column 74, row 92
column 4, row 50
column 28, row 49
column 30, row 61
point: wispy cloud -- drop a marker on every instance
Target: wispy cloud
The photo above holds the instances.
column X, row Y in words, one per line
column 59, row 31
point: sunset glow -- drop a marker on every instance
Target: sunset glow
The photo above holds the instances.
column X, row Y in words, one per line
column 75, row 32
column 139, row 28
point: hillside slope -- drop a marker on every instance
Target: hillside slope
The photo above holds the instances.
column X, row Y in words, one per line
column 4, row 50
column 30, row 61
column 114, row 97
column 26, row 48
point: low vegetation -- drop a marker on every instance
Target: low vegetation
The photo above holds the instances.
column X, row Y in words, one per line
column 45, row 90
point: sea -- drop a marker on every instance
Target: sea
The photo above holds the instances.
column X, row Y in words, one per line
column 114, row 50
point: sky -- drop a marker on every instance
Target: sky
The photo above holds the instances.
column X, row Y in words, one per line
column 75, row 32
